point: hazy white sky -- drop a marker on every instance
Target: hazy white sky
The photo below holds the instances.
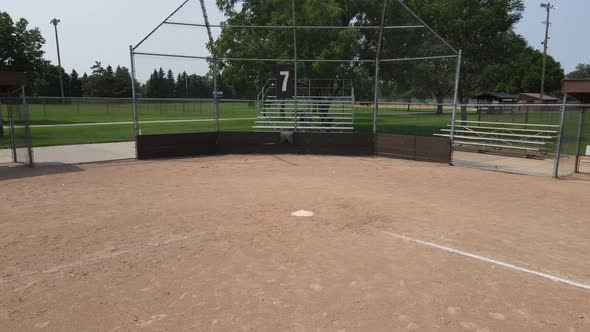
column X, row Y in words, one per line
column 103, row 30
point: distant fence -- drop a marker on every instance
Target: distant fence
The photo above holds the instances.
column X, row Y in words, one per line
column 524, row 138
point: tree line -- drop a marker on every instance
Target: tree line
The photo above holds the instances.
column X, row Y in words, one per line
column 21, row 50
column 164, row 84
column 102, row 82
column 496, row 58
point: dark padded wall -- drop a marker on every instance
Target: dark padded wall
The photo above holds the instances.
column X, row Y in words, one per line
column 395, row 146
column 186, row 145
column 248, row 142
column 435, row 149
column 175, row 145
column 358, row 144
column 334, row 144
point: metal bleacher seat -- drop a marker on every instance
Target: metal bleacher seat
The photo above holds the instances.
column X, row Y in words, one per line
column 528, row 138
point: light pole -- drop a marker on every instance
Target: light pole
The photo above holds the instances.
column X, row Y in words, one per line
column 548, row 6
column 55, row 21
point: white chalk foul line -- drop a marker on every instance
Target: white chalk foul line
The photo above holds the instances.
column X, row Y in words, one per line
column 489, row 260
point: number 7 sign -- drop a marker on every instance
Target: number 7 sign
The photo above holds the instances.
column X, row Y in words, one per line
column 285, row 83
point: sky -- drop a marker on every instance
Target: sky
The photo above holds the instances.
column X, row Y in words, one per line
column 103, row 30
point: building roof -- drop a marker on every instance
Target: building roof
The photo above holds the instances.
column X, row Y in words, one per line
column 497, row 96
column 577, row 88
column 12, row 79
column 537, row 96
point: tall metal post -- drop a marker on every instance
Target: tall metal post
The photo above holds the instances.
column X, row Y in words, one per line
column 353, row 103
column 560, row 141
column 12, row 138
column 134, row 101
column 55, row 21
column 28, row 136
column 377, row 79
column 455, row 102
column 215, row 95
column 1, row 120
column 580, row 136
column 295, row 66
column 547, row 7
column 215, row 64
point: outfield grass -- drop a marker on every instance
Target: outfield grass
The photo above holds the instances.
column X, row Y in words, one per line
column 420, row 121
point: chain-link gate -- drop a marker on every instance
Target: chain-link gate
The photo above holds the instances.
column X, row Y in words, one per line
column 19, row 132
column 571, row 141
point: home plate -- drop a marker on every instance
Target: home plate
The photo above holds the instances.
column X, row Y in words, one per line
column 302, row 213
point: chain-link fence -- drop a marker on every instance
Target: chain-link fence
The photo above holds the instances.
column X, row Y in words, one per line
column 6, row 155
column 534, row 139
column 571, row 140
column 17, row 146
column 342, row 58
column 72, row 130
column 584, row 148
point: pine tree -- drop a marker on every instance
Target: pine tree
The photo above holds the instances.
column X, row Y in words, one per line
column 75, row 85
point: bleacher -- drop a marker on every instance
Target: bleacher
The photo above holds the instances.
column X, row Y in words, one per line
column 529, row 139
column 314, row 110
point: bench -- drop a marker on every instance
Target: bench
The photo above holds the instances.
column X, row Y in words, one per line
column 529, row 139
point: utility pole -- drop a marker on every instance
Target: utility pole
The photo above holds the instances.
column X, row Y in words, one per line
column 548, row 6
column 55, row 21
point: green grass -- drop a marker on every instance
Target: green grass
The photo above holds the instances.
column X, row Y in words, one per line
column 421, row 121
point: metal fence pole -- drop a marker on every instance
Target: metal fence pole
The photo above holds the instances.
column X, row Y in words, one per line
column 1, row 120
column 377, row 80
column 134, row 101
column 296, row 118
column 215, row 64
column 28, row 135
column 455, row 103
column 215, row 96
column 580, row 136
column 559, row 142
column 353, row 104
column 12, row 138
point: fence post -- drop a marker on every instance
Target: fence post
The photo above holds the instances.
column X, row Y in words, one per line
column 580, row 136
column 12, row 138
column 455, row 103
column 28, row 135
column 214, row 58
column 134, row 101
column 1, row 120
column 560, row 139
column 377, row 89
column 353, row 104
column 215, row 96
column 296, row 118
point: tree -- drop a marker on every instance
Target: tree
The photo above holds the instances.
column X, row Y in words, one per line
column 169, row 85
column 74, row 85
column 121, row 83
column 522, row 73
column 21, row 49
column 582, row 71
column 47, row 84
column 155, row 85
column 181, row 85
column 246, row 78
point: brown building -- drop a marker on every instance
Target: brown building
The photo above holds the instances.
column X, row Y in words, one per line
column 535, row 98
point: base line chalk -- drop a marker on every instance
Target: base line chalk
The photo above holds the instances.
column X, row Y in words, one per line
column 488, row 260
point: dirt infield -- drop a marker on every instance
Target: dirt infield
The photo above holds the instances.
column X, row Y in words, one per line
column 209, row 244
